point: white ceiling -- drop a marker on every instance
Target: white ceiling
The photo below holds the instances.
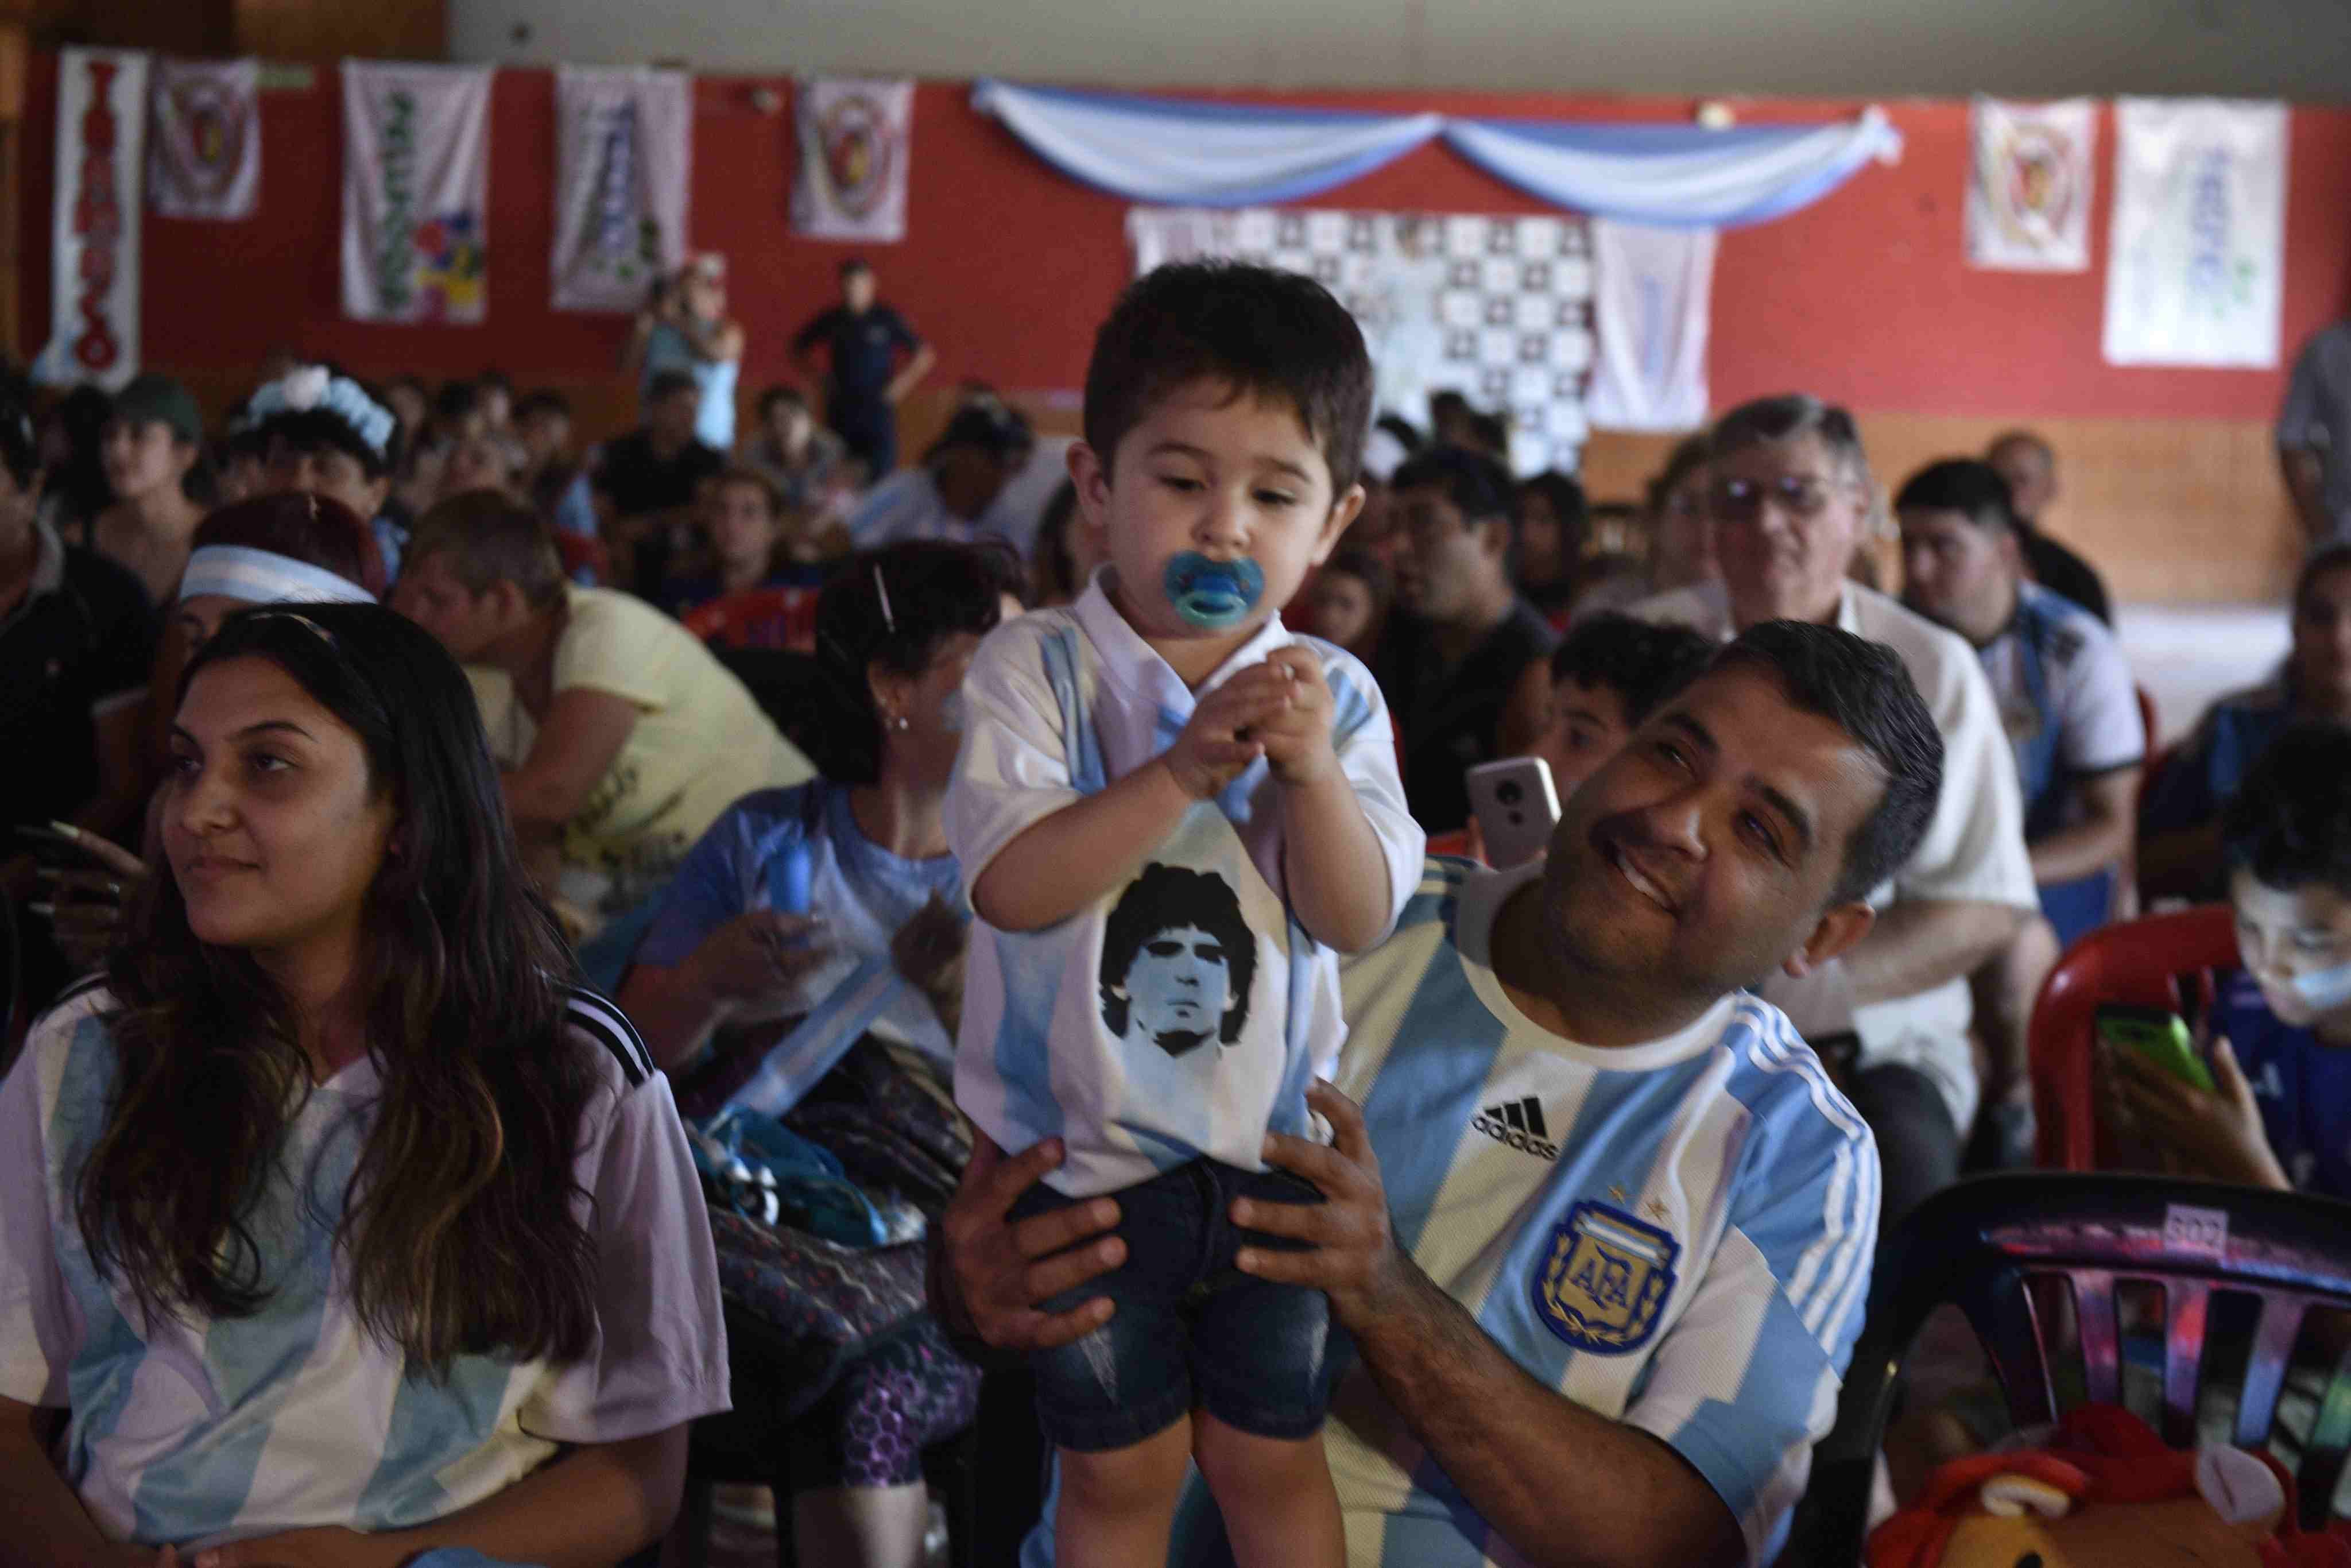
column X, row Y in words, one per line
column 2294, row 49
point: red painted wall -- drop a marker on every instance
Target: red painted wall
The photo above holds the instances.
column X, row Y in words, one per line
column 1862, row 297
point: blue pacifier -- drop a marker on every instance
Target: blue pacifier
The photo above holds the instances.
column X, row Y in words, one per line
column 1214, row 594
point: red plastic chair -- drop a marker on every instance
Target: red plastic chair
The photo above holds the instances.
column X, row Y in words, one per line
column 759, row 618
column 2162, row 961
column 578, row 551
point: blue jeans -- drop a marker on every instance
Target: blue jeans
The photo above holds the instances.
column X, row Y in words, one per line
column 1190, row 1328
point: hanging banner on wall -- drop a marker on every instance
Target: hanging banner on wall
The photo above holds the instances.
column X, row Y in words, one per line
column 854, row 138
column 1652, row 294
column 203, row 147
column 416, row 176
column 2029, row 192
column 2197, row 251
column 1496, row 309
column 94, row 220
column 623, row 163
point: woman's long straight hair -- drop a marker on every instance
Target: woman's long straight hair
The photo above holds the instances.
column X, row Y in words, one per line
column 458, row 1227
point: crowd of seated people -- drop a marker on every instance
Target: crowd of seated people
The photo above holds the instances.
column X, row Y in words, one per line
column 369, row 745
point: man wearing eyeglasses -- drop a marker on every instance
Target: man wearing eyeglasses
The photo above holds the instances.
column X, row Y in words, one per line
column 1792, row 497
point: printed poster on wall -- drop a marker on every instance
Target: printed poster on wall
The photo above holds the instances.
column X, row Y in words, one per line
column 203, row 138
column 2028, row 192
column 94, row 220
column 1653, row 291
column 1496, row 309
column 854, row 138
column 416, row 176
column 2197, row 251
column 623, row 164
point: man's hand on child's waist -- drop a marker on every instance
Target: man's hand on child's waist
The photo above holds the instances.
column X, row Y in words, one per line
column 1353, row 1257
column 996, row 1273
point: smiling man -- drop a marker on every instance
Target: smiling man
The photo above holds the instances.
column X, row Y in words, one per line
column 1614, row 1337
column 1792, row 497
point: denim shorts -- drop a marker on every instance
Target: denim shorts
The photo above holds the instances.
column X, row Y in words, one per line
column 1190, row 1329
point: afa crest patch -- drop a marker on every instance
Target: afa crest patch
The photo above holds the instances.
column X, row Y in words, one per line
column 1605, row 1278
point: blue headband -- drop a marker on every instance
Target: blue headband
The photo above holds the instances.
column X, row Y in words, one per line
column 314, row 387
column 264, row 577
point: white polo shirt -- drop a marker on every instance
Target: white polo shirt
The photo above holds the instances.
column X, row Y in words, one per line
column 907, row 505
column 1974, row 847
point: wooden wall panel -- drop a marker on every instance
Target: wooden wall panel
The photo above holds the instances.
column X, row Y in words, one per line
column 2172, row 511
column 332, row 29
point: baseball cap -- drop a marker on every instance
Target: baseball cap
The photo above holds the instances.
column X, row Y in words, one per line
column 160, row 400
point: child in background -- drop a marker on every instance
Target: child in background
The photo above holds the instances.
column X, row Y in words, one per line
column 1350, row 601
column 1606, row 676
column 1173, row 815
column 2281, row 1055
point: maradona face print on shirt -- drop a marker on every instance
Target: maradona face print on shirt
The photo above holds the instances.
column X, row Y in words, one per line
column 1177, row 961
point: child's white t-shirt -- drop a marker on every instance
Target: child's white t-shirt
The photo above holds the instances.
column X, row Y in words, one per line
column 1187, row 1012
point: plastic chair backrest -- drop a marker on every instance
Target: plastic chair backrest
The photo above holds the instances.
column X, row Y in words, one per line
column 758, row 618
column 580, row 553
column 2005, row 1249
column 2159, row 961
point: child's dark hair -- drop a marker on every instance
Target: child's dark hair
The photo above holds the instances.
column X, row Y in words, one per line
column 893, row 607
column 1264, row 333
column 1368, row 569
column 2290, row 824
column 1643, row 665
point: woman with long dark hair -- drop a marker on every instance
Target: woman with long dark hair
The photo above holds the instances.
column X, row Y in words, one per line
column 330, row 1212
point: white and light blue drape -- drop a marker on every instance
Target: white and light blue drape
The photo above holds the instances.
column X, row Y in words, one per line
column 1175, row 150
column 1676, row 176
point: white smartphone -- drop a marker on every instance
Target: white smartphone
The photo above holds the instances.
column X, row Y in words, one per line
column 1516, row 807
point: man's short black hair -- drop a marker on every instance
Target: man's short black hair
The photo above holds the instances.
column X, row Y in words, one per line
column 1166, row 898
column 542, row 400
column 2290, row 824
column 854, row 265
column 1963, row 485
column 1864, row 688
column 669, row 383
column 457, row 401
column 1643, row 665
column 781, row 393
column 1262, row 332
column 1481, row 489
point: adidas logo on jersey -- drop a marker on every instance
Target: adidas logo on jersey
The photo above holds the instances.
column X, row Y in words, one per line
column 1518, row 1124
